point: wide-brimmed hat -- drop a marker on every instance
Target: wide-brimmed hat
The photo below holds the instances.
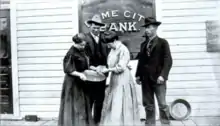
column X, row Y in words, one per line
column 96, row 19
column 150, row 21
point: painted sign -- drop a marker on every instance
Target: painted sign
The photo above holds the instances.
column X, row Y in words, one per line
column 123, row 16
column 212, row 36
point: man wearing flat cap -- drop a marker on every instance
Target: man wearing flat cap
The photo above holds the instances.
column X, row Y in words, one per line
column 154, row 64
column 97, row 52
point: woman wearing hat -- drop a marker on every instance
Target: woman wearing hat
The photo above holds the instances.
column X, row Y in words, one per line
column 74, row 106
column 120, row 104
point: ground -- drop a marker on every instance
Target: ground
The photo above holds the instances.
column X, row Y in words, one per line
column 193, row 121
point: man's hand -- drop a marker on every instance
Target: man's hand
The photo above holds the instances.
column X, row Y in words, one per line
column 129, row 67
column 138, row 80
column 160, row 80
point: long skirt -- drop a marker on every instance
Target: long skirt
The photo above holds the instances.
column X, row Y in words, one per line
column 74, row 105
column 121, row 104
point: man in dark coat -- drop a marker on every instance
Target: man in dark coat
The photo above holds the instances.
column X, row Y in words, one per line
column 97, row 52
column 154, row 64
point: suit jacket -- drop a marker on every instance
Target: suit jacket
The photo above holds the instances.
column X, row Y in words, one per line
column 90, row 48
column 158, row 63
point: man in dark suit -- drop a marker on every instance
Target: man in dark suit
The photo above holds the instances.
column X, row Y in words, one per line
column 154, row 64
column 97, row 52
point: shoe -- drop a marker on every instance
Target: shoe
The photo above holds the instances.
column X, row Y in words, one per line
column 150, row 123
column 165, row 121
column 143, row 120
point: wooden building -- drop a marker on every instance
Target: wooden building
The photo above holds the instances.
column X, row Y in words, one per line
column 41, row 32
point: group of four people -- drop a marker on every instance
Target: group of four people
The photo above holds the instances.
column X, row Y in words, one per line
column 116, row 105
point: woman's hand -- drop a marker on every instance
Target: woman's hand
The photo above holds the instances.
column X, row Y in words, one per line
column 82, row 76
column 92, row 68
column 105, row 70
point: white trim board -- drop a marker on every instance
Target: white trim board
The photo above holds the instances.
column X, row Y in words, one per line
column 14, row 64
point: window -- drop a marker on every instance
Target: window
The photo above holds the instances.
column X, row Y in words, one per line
column 6, row 100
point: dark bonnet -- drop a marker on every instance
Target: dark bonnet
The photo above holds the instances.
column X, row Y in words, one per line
column 110, row 36
column 78, row 38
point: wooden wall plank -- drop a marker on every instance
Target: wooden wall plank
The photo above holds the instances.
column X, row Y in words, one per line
column 43, row 5
column 39, row 101
column 189, row 5
column 195, row 99
column 48, row 53
column 41, row 94
column 187, row 12
column 40, row 26
column 195, row 55
column 26, row 47
column 184, row 34
column 194, row 92
column 43, row 80
column 193, row 84
column 197, row 76
column 53, row 39
column 46, row 19
column 195, row 69
column 42, row 108
column 188, row 19
column 40, row 87
column 52, row 32
column 43, row 12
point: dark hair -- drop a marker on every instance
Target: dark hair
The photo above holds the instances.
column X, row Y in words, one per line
column 110, row 36
column 79, row 38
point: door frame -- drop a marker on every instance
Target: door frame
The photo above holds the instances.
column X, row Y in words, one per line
column 14, row 63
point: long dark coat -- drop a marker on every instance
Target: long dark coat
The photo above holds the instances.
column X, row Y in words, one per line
column 158, row 63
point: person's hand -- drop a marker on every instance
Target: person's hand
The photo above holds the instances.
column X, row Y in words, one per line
column 105, row 70
column 92, row 67
column 138, row 80
column 129, row 67
column 82, row 76
column 107, row 90
column 160, row 80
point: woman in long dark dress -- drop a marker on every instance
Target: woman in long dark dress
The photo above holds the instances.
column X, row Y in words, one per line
column 74, row 106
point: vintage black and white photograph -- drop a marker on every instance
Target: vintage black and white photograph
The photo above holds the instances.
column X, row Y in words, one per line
column 109, row 63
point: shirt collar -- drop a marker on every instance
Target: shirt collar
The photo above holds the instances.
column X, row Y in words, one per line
column 153, row 37
column 94, row 36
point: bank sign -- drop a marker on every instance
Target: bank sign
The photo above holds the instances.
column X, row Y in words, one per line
column 128, row 25
column 123, row 16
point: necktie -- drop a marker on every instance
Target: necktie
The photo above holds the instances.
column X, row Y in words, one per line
column 149, row 48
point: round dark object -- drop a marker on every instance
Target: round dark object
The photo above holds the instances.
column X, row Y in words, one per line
column 178, row 113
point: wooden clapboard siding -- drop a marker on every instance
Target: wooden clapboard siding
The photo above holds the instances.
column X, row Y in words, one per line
column 195, row 75
column 44, row 30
